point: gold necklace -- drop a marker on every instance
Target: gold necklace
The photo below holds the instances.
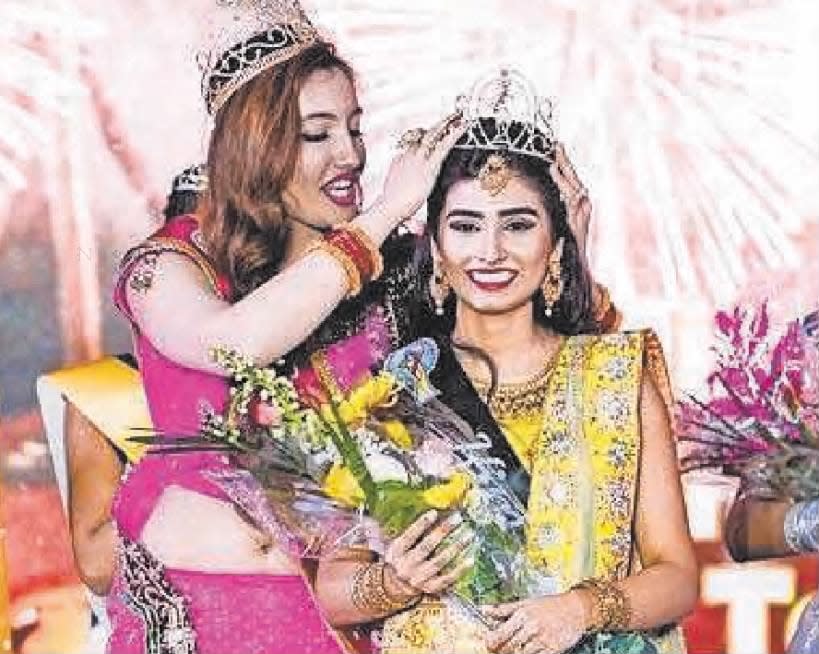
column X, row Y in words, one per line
column 519, row 399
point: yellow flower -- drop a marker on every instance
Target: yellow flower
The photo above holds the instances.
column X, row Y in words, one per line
column 397, row 433
column 376, row 392
column 449, row 493
column 342, row 486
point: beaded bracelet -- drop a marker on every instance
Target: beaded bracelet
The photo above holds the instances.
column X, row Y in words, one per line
column 348, row 244
column 355, row 242
column 369, row 245
column 611, row 609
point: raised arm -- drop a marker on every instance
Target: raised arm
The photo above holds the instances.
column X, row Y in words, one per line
column 172, row 304
column 578, row 213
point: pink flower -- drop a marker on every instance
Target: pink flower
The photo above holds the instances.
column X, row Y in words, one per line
column 265, row 414
column 759, row 325
column 724, row 322
column 737, row 379
column 764, row 380
column 310, row 389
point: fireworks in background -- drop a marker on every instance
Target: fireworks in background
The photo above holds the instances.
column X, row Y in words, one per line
column 694, row 123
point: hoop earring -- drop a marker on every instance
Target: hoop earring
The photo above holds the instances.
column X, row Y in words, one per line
column 552, row 287
column 439, row 289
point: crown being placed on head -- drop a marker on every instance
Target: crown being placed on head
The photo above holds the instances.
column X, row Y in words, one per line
column 248, row 37
column 504, row 113
column 193, row 179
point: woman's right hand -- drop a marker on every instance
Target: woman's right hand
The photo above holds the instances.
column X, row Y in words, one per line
column 414, row 169
column 418, row 564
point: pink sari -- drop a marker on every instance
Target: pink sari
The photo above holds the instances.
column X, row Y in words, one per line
column 158, row 610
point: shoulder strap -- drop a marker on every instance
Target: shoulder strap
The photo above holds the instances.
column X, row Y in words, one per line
column 180, row 235
column 459, row 395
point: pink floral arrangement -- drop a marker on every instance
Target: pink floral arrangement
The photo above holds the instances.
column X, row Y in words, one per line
column 760, row 421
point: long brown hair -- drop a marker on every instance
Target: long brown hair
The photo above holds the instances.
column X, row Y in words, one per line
column 251, row 158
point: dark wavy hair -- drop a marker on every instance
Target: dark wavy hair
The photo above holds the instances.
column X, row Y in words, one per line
column 252, row 156
column 573, row 313
column 179, row 203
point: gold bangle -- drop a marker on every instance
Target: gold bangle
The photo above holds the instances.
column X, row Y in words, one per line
column 350, row 269
column 373, row 250
column 368, row 591
column 611, row 609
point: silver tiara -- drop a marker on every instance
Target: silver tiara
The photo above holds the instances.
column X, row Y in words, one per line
column 246, row 38
column 193, row 179
column 521, row 121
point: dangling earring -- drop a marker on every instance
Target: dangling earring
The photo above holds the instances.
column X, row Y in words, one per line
column 552, row 286
column 439, row 288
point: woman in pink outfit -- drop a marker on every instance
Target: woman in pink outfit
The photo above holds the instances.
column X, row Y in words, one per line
column 278, row 267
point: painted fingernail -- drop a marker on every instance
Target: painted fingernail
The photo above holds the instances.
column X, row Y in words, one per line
column 455, row 519
column 430, row 516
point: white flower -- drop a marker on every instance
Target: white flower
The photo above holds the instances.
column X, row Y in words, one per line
column 434, row 458
column 383, row 467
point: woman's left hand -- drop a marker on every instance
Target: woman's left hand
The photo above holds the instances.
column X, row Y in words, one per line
column 575, row 196
column 545, row 625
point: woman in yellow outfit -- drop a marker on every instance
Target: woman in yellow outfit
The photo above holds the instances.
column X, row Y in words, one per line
column 579, row 421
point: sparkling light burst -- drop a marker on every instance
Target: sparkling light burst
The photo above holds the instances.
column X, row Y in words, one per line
column 694, row 123
column 682, row 116
column 33, row 82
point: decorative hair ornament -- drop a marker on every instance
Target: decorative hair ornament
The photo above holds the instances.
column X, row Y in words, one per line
column 193, row 179
column 495, row 174
column 248, row 37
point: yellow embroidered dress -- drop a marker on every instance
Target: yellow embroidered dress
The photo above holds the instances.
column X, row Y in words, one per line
column 576, row 430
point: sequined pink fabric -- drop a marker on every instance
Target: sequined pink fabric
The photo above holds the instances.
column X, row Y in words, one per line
column 159, row 610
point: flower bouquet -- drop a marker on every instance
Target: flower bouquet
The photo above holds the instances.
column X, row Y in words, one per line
column 338, row 448
column 760, row 422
